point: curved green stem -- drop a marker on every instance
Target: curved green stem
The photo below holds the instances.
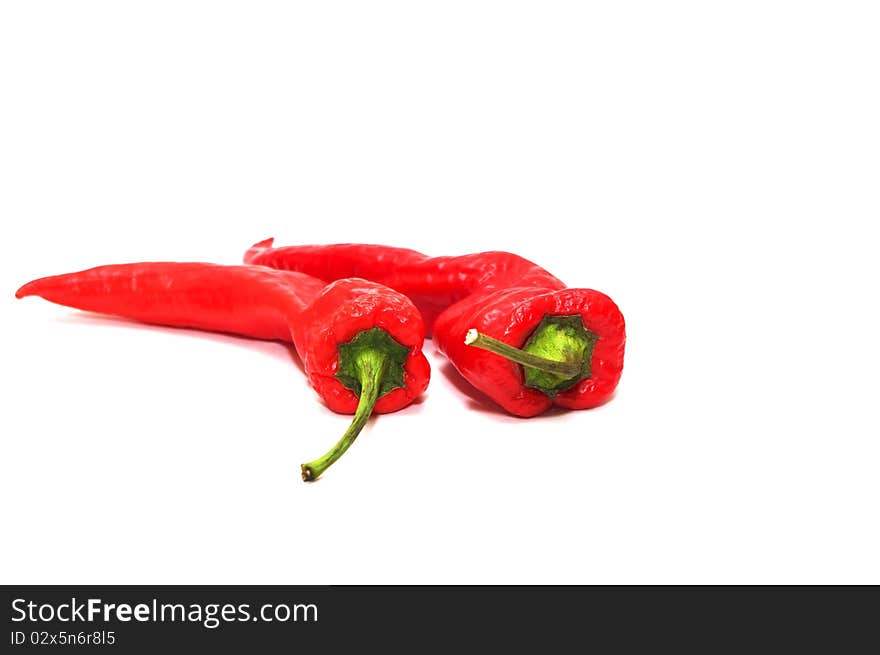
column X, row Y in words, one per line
column 370, row 366
column 562, row 369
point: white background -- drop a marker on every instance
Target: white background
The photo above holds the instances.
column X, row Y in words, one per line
column 713, row 167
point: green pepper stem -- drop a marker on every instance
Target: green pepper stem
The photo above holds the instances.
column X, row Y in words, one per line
column 562, row 369
column 370, row 366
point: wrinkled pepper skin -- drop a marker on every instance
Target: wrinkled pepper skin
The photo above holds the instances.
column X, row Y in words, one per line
column 340, row 311
column 432, row 283
column 511, row 315
column 500, row 294
column 256, row 302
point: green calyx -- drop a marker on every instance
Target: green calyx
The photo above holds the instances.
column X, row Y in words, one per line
column 562, row 339
column 371, row 365
column 366, row 345
column 555, row 357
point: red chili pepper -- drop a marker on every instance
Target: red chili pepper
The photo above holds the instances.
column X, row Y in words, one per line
column 547, row 344
column 360, row 342
column 432, row 283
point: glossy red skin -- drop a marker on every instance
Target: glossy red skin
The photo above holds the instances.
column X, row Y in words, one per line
column 432, row 283
column 259, row 302
column 500, row 294
column 511, row 315
column 336, row 315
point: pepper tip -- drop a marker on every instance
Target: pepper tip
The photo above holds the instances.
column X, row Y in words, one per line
column 25, row 289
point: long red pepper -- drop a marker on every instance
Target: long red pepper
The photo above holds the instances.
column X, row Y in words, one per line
column 360, row 342
column 511, row 328
column 432, row 283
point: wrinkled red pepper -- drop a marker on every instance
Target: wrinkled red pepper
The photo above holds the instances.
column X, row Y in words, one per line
column 360, row 342
column 547, row 344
